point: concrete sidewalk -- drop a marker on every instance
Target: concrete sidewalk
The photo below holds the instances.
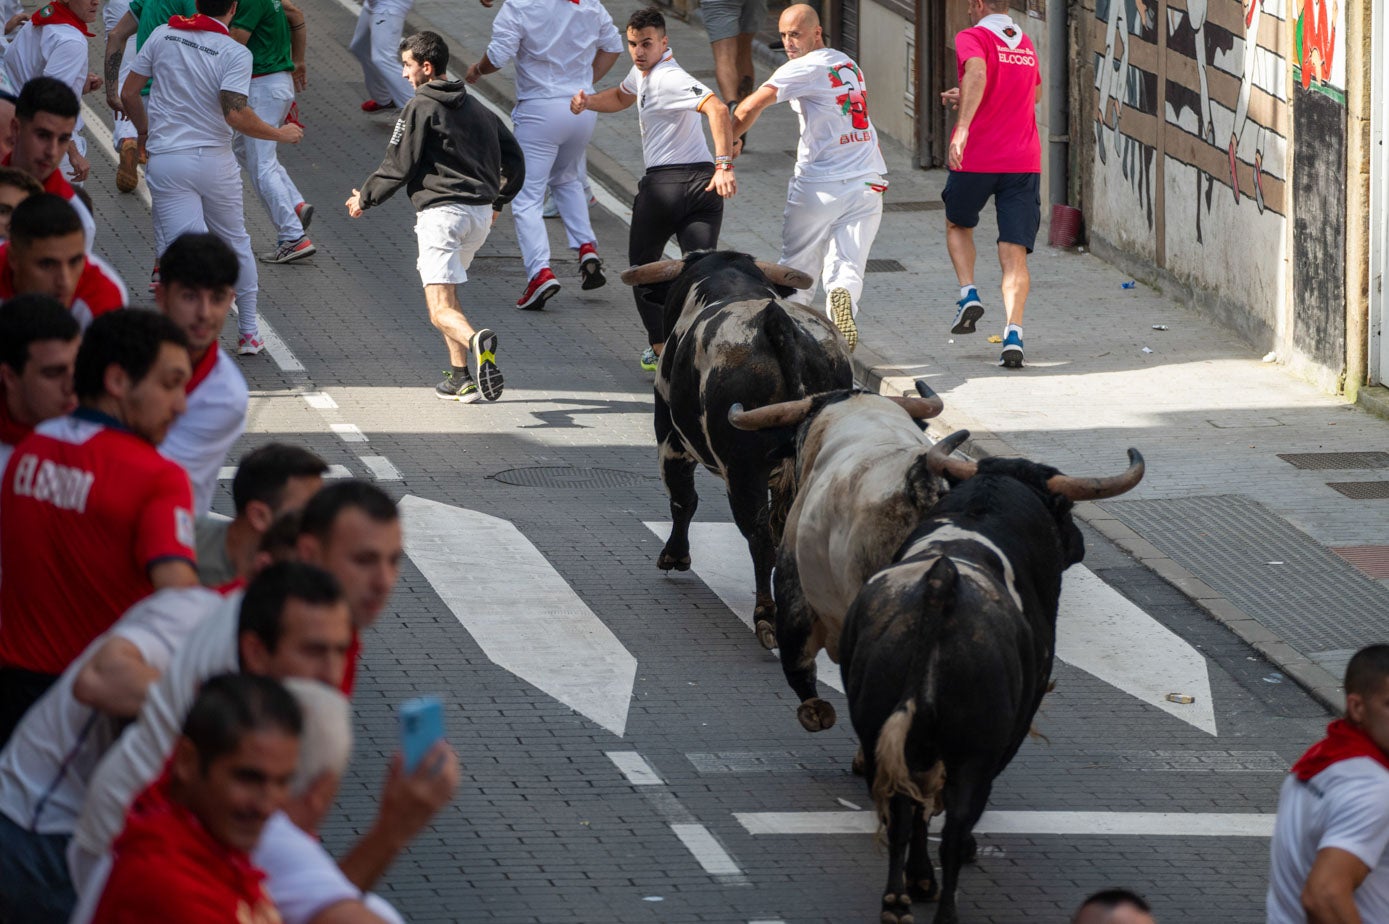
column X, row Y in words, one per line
column 1249, row 536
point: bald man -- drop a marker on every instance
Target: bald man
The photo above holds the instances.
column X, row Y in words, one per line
column 1113, row 906
column 835, row 198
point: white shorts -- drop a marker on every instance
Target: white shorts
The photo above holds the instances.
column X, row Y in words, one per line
column 449, row 235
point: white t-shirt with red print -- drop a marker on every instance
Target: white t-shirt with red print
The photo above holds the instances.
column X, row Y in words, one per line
column 827, row 90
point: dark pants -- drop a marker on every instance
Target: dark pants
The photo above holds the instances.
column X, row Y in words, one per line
column 19, row 689
column 670, row 201
column 34, row 882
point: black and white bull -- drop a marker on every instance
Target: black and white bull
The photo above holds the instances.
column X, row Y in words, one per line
column 730, row 338
column 948, row 652
column 862, row 484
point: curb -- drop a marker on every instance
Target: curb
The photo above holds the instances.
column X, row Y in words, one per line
column 884, row 378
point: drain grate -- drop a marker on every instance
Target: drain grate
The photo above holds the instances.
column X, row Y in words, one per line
column 569, row 476
column 885, row 266
column 1370, row 559
column 927, row 206
column 1332, row 461
column 1361, row 490
column 1313, row 599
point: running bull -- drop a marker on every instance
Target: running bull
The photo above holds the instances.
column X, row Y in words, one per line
column 730, row 339
column 948, row 652
column 862, row 484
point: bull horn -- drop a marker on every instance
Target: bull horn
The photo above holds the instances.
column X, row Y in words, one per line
column 784, row 414
column 924, row 408
column 1079, row 489
column 940, row 463
column 781, row 275
column 650, row 274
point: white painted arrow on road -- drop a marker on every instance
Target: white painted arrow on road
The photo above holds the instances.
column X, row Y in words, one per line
column 1099, row 630
column 518, row 608
column 720, row 556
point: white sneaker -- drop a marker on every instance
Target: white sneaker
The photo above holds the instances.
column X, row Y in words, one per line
column 249, row 346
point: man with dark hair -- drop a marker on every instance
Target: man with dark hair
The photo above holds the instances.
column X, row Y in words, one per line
column 185, row 852
column 92, row 517
column 197, row 282
column 270, row 481
column 1113, row 906
column 1330, row 850
column 38, row 349
column 995, row 150
column 45, row 120
column 682, row 193
column 46, row 254
column 15, row 187
column 460, row 166
column 197, row 103
column 53, row 44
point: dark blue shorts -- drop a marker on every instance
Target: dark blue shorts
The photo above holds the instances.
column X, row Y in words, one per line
column 1017, row 200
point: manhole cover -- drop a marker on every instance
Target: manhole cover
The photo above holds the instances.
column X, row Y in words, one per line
column 1335, row 460
column 1361, row 490
column 569, row 476
column 927, row 206
column 884, row 266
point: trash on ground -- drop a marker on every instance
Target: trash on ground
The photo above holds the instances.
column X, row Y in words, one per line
column 653, row 898
column 848, row 805
column 1182, row 698
column 995, row 339
column 1273, row 562
column 1275, row 677
column 1128, row 285
column 1159, row 327
column 1270, row 357
column 1147, row 350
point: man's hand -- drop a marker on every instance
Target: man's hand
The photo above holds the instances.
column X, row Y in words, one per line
column 474, row 72
column 354, row 205
column 114, row 101
column 291, row 133
column 951, row 98
column 301, row 76
column 957, row 147
column 17, row 20
column 723, row 183
column 486, row 3
column 80, row 167
column 94, row 82
column 409, row 801
column 496, row 213
column 579, row 103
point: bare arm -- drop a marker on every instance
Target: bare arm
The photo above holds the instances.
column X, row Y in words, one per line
column 133, row 105
column 971, row 94
column 1329, row 895
column 115, row 52
column 751, row 107
column 721, row 128
column 298, row 44
column 173, row 572
column 348, row 912
column 242, row 117
column 610, row 100
column 603, row 62
column 115, row 679
column 481, row 68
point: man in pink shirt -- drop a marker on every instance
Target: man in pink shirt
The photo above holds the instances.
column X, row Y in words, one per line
column 994, row 151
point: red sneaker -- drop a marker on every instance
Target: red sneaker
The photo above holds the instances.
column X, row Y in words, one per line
column 372, row 105
column 590, row 267
column 541, row 288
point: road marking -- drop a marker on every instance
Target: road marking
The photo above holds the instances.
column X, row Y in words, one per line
column 635, row 768
column 228, row 472
column 1104, row 634
column 720, row 555
column 1096, row 824
column 282, row 355
column 382, row 469
column 518, row 608
column 706, row 850
column 349, row 433
column 320, row 400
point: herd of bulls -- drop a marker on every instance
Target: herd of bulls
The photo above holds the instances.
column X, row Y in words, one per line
column 933, row 582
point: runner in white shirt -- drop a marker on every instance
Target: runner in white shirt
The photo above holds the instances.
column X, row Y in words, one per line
column 560, row 48
column 376, row 45
column 197, row 279
column 53, row 43
column 834, row 201
column 682, row 193
column 202, row 76
column 46, row 764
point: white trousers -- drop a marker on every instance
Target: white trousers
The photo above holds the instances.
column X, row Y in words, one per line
column 197, row 190
column 554, row 141
column 827, row 229
column 376, row 45
column 270, row 98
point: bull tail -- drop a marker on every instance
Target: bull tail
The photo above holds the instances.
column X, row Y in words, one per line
column 782, row 482
column 892, row 775
column 783, row 335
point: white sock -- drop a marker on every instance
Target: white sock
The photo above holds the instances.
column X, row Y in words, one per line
column 966, row 289
column 1012, row 329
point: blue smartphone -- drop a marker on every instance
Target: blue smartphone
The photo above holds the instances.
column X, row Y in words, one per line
column 421, row 724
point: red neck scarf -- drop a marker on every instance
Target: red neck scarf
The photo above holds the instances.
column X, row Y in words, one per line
column 11, row 430
column 1343, row 741
column 198, row 23
column 202, row 369
column 59, row 14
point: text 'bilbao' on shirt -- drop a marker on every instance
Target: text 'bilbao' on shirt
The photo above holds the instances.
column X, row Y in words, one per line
column 63, row 486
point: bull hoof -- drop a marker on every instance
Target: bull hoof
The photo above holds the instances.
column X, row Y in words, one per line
column 668, row 562
column 897, row 909
column 858, row 766
column 924, row 890
column 815, row 715
column 766, row 634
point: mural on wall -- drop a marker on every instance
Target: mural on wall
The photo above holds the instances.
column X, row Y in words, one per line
column 1318, row 62
column 1222, row 105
